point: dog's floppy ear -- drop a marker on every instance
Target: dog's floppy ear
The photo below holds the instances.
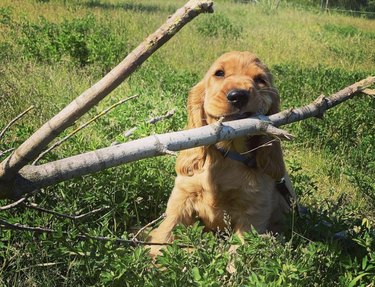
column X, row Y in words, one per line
column 192, row 160
column 270, row 158
column 196, row 116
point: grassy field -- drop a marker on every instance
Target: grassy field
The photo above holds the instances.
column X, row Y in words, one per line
column 51, row 51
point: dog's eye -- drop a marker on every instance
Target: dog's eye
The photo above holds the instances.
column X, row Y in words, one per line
column 260, row 81
column 219, row 73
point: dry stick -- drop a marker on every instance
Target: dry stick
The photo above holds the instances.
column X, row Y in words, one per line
column 14, row 120
column 168, row 115
column 13, row 204
column 34, row 145
column 17, row 226
column 18, row 202
column 154, row 120
column 102, row 113
column 72, row 217
column 148, row 225
column 266, row 144
column 6, row 151
column 32, row 177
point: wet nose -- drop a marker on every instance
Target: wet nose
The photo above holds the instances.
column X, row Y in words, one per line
column 238, row 98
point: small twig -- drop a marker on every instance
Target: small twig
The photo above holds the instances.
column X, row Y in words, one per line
column 154, row 120
column 128, row 133
column 21, row 227
column 72, row 217
column 13, row 204
column 48, row 264
column 168, row 115
column 14, row 120
column 269, row 143
column 6, row 151
column 218, row 126
column 169, row 152
column 18, row 202
column 148, row 225
column 81, row 127
column 369, row 92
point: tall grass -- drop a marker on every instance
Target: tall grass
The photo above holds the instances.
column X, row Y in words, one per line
column 53, row 50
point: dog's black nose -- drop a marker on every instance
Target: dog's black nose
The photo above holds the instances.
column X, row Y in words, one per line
column 238, row 98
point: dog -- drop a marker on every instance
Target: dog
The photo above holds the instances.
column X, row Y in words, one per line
column 244, row 178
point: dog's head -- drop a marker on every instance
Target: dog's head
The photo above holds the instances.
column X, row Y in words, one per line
column 237, row 85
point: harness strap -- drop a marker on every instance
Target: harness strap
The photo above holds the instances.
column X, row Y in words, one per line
column 251, row 162
column 288, row 197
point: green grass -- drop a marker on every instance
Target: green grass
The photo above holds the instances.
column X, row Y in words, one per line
column 51, row 51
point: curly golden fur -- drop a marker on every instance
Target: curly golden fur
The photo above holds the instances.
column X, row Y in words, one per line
column 209, row 184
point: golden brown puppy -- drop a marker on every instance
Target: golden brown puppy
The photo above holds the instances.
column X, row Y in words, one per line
column 226, row 178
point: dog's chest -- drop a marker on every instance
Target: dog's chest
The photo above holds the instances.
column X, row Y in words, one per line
column 230, row 190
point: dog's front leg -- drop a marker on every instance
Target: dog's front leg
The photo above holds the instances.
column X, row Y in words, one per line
column 162, row 234
column 179, row 211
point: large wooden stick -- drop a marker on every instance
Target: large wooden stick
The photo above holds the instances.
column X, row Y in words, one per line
column 32, row 147
column 32, row 177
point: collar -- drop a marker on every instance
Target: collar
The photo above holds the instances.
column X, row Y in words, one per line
column 249, row 162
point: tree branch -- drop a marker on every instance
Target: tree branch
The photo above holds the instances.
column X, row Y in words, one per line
column 33, row 177
column 47, row 174
column 32, row 147
column 321, row 104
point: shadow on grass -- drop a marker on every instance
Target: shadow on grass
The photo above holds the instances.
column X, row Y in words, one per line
column 344, row 234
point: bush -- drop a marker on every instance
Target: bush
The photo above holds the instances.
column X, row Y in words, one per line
column 82, row 41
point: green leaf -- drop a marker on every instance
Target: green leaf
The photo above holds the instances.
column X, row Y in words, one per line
column 196, row 275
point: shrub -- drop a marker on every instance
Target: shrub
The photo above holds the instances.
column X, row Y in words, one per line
column 82, row 41
column 218, row 25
